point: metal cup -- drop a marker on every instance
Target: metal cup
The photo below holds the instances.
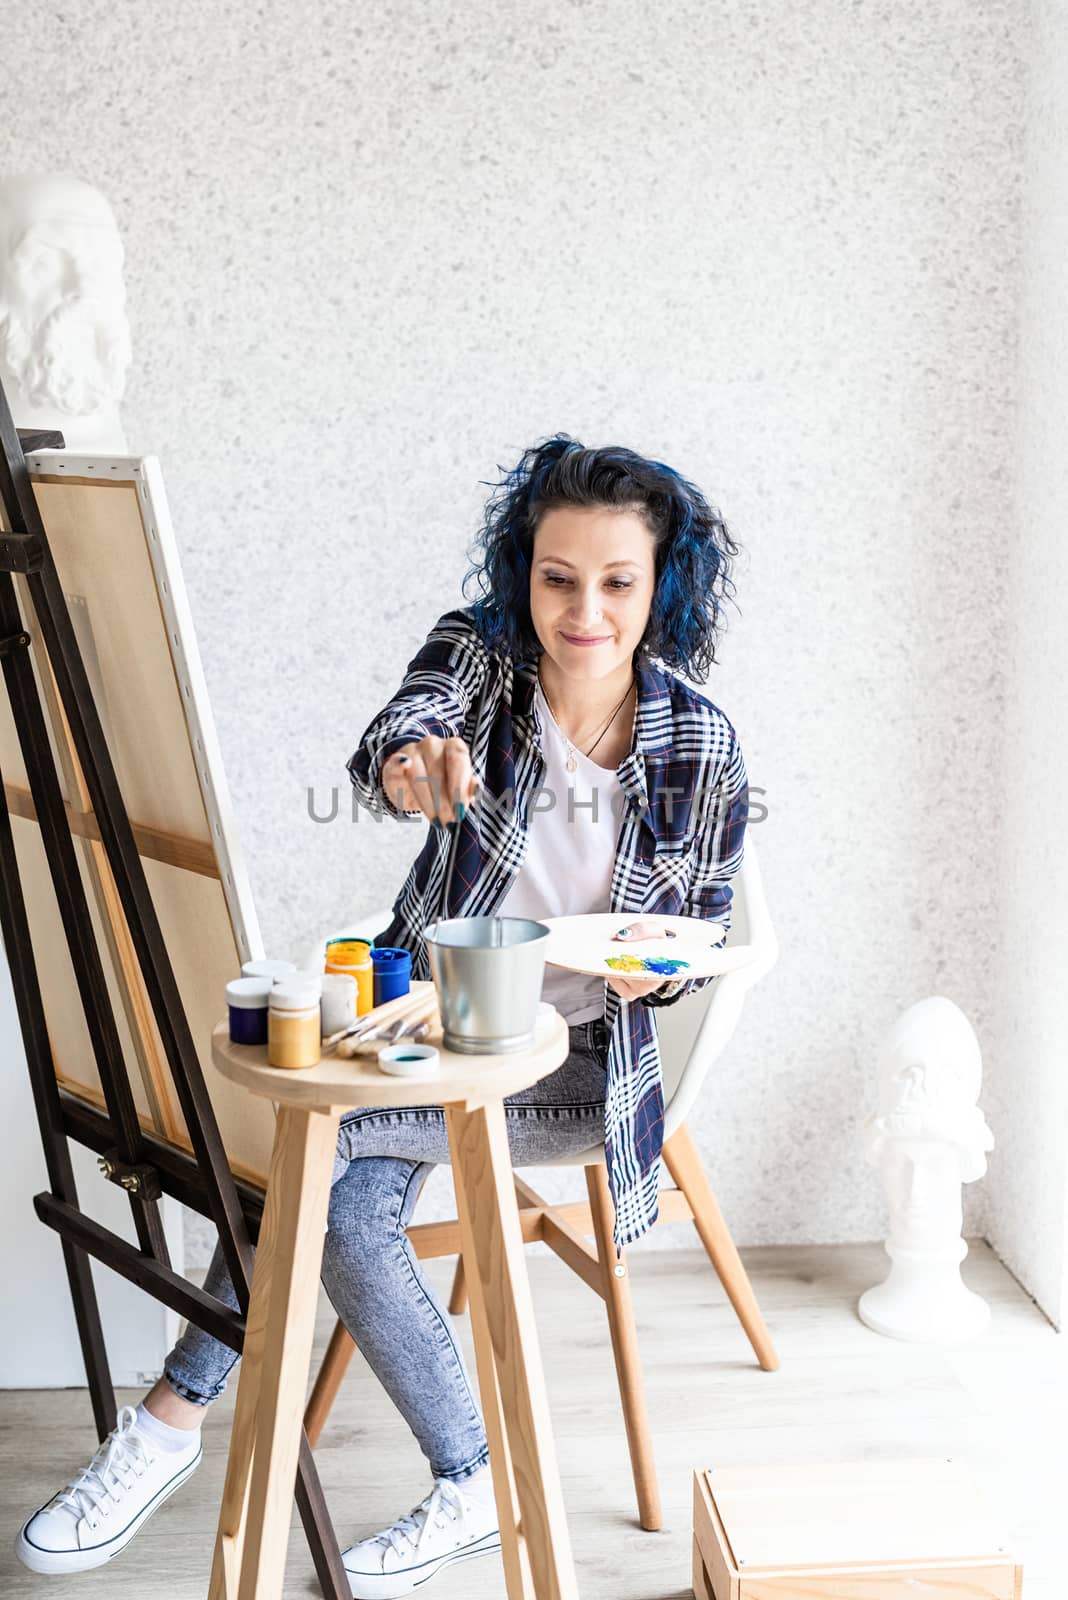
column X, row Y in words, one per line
column 487, row 972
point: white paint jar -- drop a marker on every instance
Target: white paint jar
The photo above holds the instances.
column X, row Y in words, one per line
column 338, row 1001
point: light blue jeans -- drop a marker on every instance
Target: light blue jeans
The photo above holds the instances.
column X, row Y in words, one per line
column 372, row 1274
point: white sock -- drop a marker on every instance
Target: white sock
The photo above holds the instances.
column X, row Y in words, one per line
column 479, row 1489
column 164, row 1434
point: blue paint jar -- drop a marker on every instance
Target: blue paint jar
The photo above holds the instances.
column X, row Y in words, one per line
column 248, row 999
column 392, row 970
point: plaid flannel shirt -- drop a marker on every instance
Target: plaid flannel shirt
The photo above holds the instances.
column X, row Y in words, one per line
column 680, row 841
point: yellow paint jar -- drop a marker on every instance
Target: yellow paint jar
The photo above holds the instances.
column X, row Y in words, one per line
column 294, row 1036
column 352, row 958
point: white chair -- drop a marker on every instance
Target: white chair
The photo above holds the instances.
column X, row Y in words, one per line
column 693, row 1035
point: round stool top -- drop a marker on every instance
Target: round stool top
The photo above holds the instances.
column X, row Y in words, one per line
column 359, row 1081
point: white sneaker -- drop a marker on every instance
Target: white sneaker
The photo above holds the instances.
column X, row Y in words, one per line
column 447, row 1526
column 97, row 1513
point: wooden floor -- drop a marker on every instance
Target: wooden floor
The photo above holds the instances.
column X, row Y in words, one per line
column 842, row 1393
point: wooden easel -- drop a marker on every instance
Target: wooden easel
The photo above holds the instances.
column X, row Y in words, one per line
column 147, row 1164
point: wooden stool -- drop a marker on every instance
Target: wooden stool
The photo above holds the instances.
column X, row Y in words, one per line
column 253, row 1531
column 693, row 1035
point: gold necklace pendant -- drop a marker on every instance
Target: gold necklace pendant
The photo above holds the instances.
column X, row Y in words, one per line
column 572, row 758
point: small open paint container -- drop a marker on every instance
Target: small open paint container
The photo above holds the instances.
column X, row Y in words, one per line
column 409, row 1060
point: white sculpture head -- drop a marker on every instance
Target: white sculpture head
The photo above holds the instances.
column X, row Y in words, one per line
column 64, row 338
column 921, row 1180
column 928, row 1135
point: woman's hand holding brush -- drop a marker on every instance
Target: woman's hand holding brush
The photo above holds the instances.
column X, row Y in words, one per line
column 434, row 776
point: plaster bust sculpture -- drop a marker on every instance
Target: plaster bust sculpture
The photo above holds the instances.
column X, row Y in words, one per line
column 64, row 338
column 927, row 1137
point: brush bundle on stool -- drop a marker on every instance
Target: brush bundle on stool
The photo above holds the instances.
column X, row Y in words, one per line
column 403, row 1017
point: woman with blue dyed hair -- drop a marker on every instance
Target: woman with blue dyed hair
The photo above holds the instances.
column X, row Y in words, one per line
column 688, row 554
column 601, row 781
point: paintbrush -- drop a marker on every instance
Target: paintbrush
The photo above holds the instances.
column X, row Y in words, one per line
column 406, row 1006
column 454, row 827
column 371, row 1044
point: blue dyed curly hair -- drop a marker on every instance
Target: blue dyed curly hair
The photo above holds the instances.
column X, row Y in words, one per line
column 693, row 555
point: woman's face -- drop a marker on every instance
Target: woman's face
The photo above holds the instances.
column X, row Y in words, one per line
column 592, row 578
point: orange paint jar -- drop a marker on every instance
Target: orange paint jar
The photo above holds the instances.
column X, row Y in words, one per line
column 352, row 958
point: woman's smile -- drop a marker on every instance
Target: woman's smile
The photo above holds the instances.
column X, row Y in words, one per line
column 579, row 639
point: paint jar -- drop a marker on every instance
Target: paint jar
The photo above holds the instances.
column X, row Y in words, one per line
column 293, row 1028
column 338, row 1001
column 247, row 999
column 303, row 975
column 409, row 1060
column 353, row 958
column 267, row 969
column 392, row 973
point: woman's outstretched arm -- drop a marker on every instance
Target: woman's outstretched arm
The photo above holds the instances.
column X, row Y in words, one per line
column 438, row 687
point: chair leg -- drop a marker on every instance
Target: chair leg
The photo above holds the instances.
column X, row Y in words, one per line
column 458, row 1297
column 339, row 1352
column 617, row 1298
column 684, row 1164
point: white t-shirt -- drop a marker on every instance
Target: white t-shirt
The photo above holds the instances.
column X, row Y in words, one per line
column 571, row 851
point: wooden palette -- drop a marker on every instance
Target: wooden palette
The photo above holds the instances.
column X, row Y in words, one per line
column 587, row 944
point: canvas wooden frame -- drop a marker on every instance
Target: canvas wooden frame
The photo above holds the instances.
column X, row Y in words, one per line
column 124, row 905
column 184, row 826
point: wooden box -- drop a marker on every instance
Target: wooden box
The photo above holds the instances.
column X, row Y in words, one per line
column 853, row 1530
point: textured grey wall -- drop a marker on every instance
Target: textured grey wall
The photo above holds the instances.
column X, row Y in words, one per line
column 373, row 251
